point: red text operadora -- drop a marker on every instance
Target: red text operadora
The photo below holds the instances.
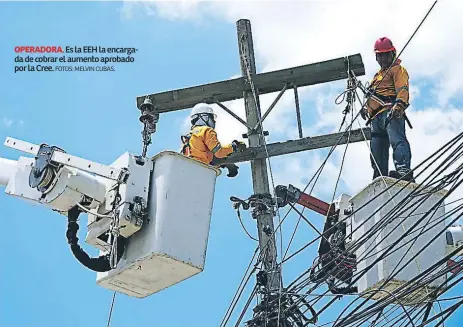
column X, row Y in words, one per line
column 38, row 49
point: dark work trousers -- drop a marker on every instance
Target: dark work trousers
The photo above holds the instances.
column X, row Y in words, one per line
column 381, row 138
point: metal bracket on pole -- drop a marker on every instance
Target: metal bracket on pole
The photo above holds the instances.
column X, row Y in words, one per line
column 238, row 118
column 298, row 111
column 246, row 135
column 254, row 129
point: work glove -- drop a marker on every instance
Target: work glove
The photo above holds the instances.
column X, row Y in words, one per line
column 397, row 111
column 232, row 169
column 364, row 113
column 238, row 146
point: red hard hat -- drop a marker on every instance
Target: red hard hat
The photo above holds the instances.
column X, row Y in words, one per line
column 383, row 44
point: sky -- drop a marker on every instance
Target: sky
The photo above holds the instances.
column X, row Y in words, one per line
column 185, row 43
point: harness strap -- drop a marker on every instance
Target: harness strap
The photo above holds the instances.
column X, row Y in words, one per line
column 384, row 98
column 378, row 111
column 186, row 144
column 384, row 104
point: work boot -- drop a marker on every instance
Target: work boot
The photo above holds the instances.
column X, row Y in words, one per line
column 376, row 174
column 405, row 175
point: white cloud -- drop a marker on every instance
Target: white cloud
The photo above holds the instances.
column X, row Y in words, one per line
column 171, row 10
column 288, row 34
column 7, row 122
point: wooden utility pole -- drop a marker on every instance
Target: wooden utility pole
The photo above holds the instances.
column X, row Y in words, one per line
column 260, row 180
column 249, row 87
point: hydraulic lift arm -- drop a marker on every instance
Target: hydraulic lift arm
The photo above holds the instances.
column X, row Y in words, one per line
column 335, row 263
column 292, row 194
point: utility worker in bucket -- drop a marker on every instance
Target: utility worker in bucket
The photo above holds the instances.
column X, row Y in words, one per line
column 201, row 142
column 386, row 110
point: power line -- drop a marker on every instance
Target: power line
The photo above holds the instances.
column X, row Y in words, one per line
column 436, row 172
column 111, row 309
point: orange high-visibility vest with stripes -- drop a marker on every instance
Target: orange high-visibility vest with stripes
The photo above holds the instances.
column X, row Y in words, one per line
column 202, row 144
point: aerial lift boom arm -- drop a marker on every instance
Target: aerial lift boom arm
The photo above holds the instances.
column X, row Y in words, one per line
column 334, row 261
column 292, row 194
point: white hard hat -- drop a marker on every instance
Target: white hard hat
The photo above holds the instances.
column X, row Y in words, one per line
column 202, row 108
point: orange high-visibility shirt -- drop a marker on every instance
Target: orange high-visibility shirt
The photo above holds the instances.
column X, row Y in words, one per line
column 394, row 84
column 203, row 145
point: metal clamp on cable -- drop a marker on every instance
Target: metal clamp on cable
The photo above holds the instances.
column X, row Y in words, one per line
column 282, row 310
column 262, row 204
column 237, row 203
column 139, row 210
column 347, row 94
column 267, row 281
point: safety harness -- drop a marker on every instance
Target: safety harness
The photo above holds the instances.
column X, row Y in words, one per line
column 186, row 151
column 185, row 139
column 186, row 144
column 385, row 103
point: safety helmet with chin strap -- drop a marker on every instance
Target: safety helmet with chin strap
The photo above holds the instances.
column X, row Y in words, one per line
column 202, row 114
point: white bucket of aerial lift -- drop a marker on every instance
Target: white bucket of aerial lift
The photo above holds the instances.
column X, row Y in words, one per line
column 171, row 247
column 377, row 244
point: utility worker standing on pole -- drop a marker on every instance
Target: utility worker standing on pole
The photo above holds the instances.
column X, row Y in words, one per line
column 202, row 144
column 386, row 106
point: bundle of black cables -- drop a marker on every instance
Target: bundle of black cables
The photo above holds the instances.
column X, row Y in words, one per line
column 100, row 264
